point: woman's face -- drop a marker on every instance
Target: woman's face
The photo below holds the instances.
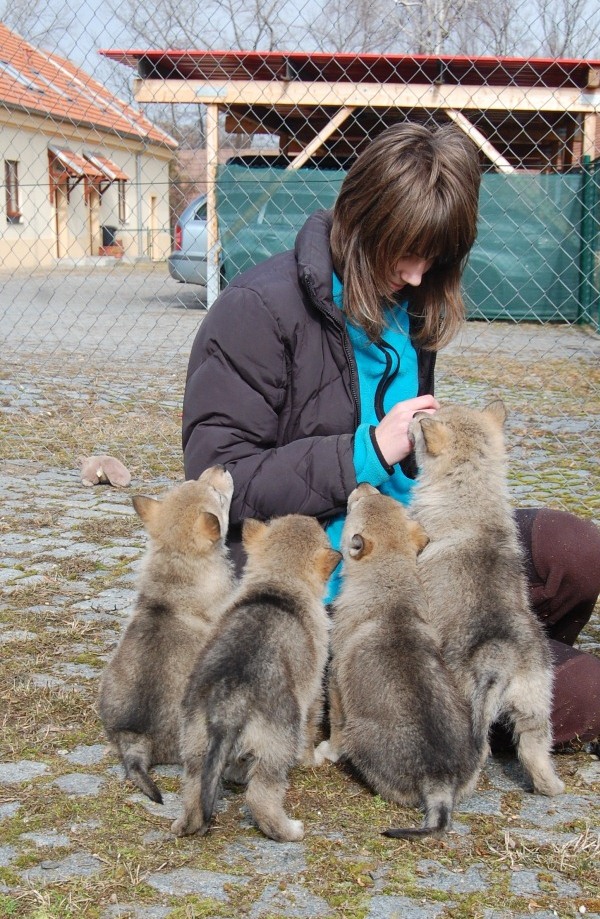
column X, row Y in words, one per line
column 409, row 270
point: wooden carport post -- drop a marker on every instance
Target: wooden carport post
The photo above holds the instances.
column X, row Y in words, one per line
column 213, row 248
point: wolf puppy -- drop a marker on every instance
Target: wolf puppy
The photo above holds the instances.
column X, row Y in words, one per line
column 254, row 695
column 472, row 572
column 186, row 581
column 394, row 711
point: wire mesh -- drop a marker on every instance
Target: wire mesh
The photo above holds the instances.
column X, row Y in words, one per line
column 136, row 183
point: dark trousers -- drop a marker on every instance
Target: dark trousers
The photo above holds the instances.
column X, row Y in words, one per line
column 563, row 567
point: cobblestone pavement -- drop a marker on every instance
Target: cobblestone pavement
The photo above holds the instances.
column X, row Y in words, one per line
column 75, row 840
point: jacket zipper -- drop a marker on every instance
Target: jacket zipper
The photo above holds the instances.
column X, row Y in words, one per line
column 387, row 377
column 348, row 354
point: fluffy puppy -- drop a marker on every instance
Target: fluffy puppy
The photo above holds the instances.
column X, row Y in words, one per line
column 473, row 576
column 254, row 695
column 394, row 710
column 185, row 583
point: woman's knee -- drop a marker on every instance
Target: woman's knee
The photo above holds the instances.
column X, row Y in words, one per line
column 565, row 554
column 576, row 699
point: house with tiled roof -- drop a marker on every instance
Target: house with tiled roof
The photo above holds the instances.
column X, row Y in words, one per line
column 84, row 173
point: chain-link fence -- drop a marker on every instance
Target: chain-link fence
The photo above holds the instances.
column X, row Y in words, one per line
column 137, row 183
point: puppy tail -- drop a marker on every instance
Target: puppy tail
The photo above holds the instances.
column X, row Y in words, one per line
column 136, row 772
column 438, row 817
column 220, row 744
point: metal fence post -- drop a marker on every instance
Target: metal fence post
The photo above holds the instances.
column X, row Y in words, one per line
column 588, row 289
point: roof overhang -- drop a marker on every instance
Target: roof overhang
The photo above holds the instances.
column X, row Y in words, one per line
column 514, row 106
column 109, row 170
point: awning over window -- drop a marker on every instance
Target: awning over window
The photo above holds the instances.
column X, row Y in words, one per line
column 67, row 169
column 65, row 161
column 110, row 170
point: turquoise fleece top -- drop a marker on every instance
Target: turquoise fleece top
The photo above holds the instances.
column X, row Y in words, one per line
column 387, row 373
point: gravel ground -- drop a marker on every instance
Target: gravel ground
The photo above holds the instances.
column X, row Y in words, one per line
column 75, row 840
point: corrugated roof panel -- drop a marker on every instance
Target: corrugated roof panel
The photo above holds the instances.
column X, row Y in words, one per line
column 356, row 68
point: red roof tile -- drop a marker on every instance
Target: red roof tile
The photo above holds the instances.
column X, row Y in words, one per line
column 37, row 81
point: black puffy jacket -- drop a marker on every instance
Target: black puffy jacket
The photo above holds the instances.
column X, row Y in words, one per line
column 272, row 389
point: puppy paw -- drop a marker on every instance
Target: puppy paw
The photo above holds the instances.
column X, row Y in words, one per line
column 294, row 831
column 550, row 786
column 183, row 826
column 325, row 752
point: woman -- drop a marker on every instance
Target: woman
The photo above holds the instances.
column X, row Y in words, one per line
column 308, row 369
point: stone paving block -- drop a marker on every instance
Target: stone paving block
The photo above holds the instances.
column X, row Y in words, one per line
column 7, row 855
column 435, row 877
column 86, row 755
column 383, row 907
column 78, row 783
column 185, row 881
column 133, row 911
column 79, row 864
column 9, row 810
column 24, row 582
column 488, row 802
column 526, row 882
column 16, row 635
column 543, row 837
column 83, row 671
column 23, row 771
column 541, row 811
column 9, row 574
column 170, row 809
column 267, row 856
column 114, row 599
column 509, row 914
column 505, row 773
column 50, row 839
column 45, row 680
column 589, row 774
column 295, row 902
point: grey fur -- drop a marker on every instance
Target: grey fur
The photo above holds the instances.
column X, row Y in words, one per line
column 394, row 710
column 473, row 576
column 255, row 692
column 185, row 583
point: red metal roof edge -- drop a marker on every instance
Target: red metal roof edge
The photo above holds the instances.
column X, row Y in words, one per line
column 133, row 54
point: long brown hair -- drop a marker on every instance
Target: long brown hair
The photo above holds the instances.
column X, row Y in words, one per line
column 412, row 191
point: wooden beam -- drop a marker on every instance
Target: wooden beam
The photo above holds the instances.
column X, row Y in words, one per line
column 211, row 124
column 317, row 141
column 590, row 123
column 309, row 96
column 499, row 161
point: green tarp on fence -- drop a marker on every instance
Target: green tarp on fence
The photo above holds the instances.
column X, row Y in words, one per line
column 534, row 259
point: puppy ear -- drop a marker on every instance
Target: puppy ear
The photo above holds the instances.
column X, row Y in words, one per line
column 418, row 535
column 434, row 434
column 146, row 508
column 252, row 530
column 359, row 547
column 327, row 561
column 497, row 411
column 208, row 526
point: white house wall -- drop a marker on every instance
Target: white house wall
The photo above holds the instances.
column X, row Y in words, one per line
column 32, row 243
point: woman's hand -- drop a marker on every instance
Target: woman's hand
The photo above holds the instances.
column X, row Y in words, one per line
column 392, row 431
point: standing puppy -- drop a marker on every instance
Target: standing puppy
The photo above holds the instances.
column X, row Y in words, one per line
column 255, row 692
column 185, row 583
column 472, row 572
column 394, row 711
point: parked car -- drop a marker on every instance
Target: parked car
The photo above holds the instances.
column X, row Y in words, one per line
column 256, row 224
column 187, row 261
